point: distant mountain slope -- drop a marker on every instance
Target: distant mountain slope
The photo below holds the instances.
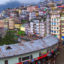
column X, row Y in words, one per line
column 10, row 5
column 14, row 4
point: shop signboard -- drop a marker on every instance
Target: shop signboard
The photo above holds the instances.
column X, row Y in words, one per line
column 62, row 37
column 44, row 52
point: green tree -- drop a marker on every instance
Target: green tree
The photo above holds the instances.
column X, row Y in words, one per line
column 23, row 21
column 21, row 33
column 9, row 38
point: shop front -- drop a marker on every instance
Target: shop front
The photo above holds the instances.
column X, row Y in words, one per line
column 45, row 58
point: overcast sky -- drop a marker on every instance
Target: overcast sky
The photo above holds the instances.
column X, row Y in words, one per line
column 22, row 1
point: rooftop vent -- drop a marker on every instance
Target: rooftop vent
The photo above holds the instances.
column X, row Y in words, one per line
column 8, row 47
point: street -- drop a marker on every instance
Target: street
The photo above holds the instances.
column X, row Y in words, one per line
column 60, row 58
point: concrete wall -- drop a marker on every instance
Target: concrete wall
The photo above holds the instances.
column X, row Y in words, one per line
column 14, row 60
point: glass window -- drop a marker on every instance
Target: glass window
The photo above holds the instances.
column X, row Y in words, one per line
column 57, row 28
column 40, row 54
column 54, row 31
column 51, row 30
column 57, row 31
column 19, row 59
column 31, row 56
column 57, row 19
column 54, row 27
column 25, row 58
column 54, row 23
column 6, row 61
column 54, row 19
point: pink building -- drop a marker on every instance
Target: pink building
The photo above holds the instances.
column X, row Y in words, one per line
column 1, row 24
column 32, row 8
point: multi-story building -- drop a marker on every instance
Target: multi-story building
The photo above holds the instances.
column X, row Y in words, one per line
column 55, row 23
column 32, row 8
column 32, row 15
column 62, row 26
column 37, row 27
column 47, row 23
column 1, row 23
column 2, row 28
column 11, row 23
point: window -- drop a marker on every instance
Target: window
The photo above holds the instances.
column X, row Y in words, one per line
column 19, row 59
column 25, row 58
column 8, row 47
column 54, row 27
column 54, row 23
column 57, row 28
column 54, row 31
column 6, row 61
column 51, row 30
column 57, row 23
column 57, row 31
column 54, row 19
column 40, row 54
column 57, row 19
column 31, row 57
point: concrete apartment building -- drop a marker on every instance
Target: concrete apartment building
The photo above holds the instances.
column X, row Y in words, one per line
column 11, row 23
column 2, row 28
column 37, row 27
column 55, row 20
column 47, row 23
column 62, row 25
column 32, row 15
column 55, row 23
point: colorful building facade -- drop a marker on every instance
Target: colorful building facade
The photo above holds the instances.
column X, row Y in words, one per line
column 55, row 23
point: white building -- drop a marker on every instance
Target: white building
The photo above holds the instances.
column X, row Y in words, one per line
column 37, row 27
column 48, row 25
column 32, row 15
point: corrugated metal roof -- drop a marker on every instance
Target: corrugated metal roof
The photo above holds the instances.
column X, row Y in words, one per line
column 27, row 47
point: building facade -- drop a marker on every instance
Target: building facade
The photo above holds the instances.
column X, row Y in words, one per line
column 29, row 52
column 55, row 23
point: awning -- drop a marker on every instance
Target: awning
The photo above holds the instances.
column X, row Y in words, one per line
column 42, row 56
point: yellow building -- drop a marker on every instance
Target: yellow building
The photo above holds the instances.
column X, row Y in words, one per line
column 17, row 24
column 22, row 28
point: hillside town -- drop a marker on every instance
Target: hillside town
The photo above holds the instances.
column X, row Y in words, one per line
column 32, row 34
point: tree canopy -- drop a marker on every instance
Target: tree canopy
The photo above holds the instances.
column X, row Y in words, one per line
column 9, row 38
